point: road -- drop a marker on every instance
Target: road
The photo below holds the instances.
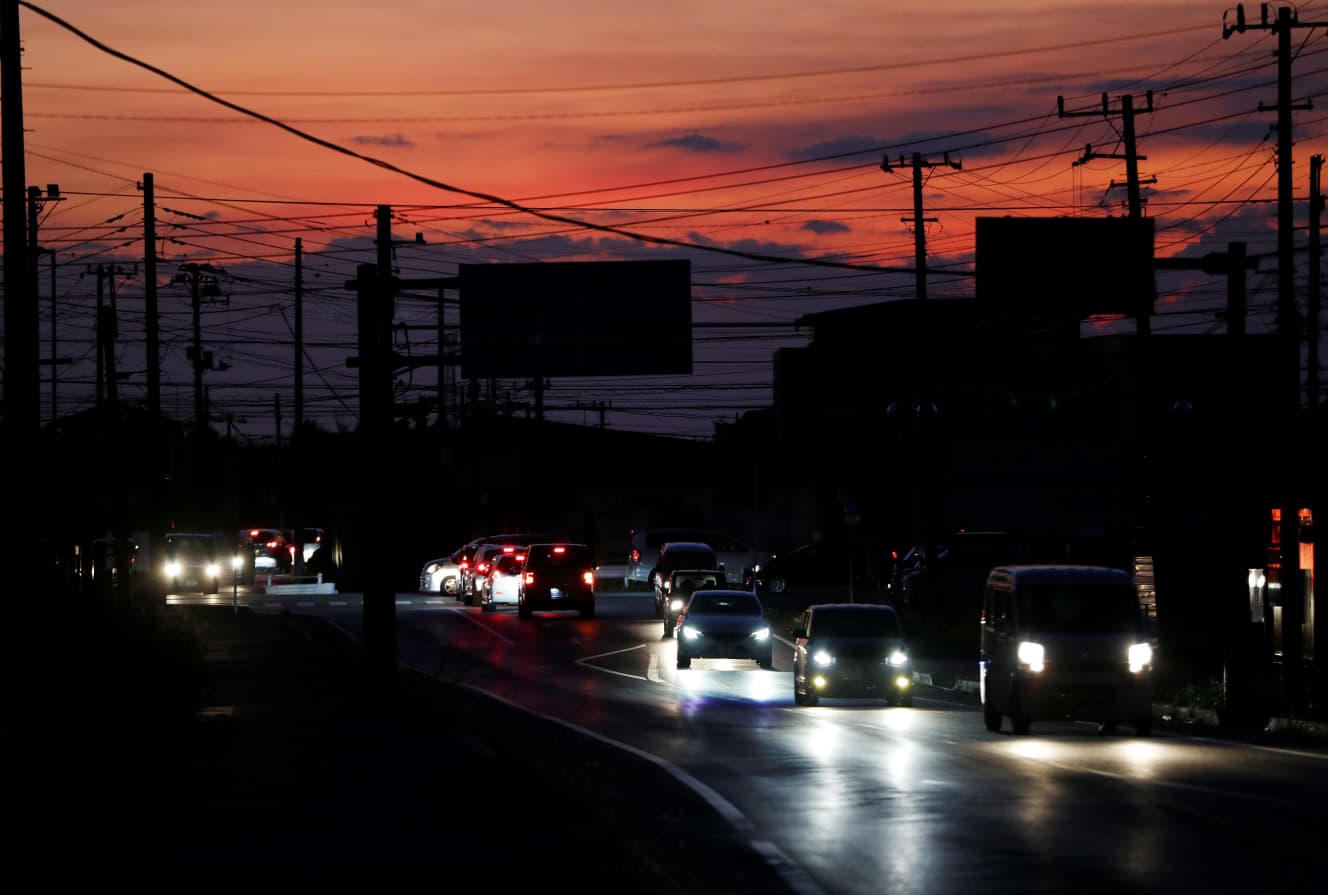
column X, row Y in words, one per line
column 863, row 798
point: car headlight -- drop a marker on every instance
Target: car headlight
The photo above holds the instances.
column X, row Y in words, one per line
column 432, row 568
column 1141, row 657
column 898, row 658
column 172, row 569
column 823, row 658
column 691, row 633
column 237, row 562
column 667, row 587
column 1031, row 656
column 212, row 570
column 761, row 634
column 676, row 605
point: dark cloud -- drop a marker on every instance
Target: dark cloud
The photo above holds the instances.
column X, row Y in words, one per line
column 850, row 145
column 392, row 140
column 693, row 143
column 823, row 227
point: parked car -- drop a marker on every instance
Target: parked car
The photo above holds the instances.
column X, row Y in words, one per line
column 557, row 576
column 502, row 584
column 811, row 565
column 193, row 562
column 733, row 554
column 953, row 580
column 851, row 650
column 675, row 555
column 442, row 575
column 679, row 588
column 724, row 624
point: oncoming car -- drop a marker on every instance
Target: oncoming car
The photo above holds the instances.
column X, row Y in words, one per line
column 724, row 624
column 193, row 563
column 680, row 586
column 851, row 650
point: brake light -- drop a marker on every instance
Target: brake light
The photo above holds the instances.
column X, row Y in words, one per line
column 636, row 555
column 272, row 545
column 559, row 549
column 254, row 532
column 509, row 550
column 588, row 576
column 530, row 578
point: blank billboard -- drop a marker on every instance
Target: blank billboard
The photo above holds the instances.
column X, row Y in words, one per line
column 576, row 318
column 1064, row 268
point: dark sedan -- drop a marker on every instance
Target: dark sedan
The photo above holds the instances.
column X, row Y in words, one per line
column 723, row 624
column 851, row 650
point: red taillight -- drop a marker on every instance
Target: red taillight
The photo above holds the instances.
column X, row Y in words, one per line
column 530, row 578
column 509, row 550
column 559, row 550
column 463, row 565
column 588, row 576
column 254, row 532
column 272, row 545
column 636, row 555
column 481, row 568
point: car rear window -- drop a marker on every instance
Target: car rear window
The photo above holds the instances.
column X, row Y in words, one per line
column 558, row 556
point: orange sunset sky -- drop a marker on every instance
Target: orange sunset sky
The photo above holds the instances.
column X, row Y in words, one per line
column 746, row 137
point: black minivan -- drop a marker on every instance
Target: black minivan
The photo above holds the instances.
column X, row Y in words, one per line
column 676, row 555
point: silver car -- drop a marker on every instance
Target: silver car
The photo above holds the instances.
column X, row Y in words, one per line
column 442, row 575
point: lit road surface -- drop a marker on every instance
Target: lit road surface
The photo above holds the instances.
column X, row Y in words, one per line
column 862, row 798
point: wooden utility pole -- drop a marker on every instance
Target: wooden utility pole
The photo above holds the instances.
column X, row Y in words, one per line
column 151, row 322
column 299, row 341
column 928, row 477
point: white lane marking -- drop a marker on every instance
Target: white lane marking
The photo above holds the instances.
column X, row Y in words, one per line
column 798, row 880
column 586, row 660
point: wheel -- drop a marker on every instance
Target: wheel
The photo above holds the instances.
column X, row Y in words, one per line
column 450, row 586
column 468, row 599
column 776, row 584
column 668, row 628
column 685, row 662
column 905, row 701
column 1021, row 724
column 522, row 607
column 991, row 718
column 1143, row 727
column 588, row 612
column 1106, row 727
column 798, row 698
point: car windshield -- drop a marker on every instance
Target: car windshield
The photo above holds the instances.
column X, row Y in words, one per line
column 724, row 604
column 1080, row 608
column 690, row 583
column 192, row 546
column 855, row 623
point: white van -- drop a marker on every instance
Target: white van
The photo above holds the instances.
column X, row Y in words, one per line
column 1064, row 641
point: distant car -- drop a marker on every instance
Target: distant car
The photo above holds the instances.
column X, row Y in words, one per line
column 193, row 562
column 557, row 576
column 733, row 554
column 262, row 551
column 442, row 575
column 469, row 587
column 679, row 588
column 851, row 650
column 724, row 624
column 502, row 584
column 675, row 555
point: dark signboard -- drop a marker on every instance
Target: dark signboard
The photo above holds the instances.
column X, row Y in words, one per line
column 1064, row 268
column 576, row 318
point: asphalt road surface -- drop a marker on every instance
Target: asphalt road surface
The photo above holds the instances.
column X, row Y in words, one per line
column 857, row 797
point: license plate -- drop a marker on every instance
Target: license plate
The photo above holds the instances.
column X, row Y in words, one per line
column 555, row 592
column 191, row 582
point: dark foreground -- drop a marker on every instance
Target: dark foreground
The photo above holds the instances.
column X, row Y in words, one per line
column 291, row 773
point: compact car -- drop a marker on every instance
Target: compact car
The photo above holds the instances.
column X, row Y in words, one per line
column 724, row 624
column 851, row 651
column 679, row 588
column 442, row 575
column 193, row 562
column 502, row 585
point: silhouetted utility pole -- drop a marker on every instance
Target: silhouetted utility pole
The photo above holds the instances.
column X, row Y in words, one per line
column 202, row 280
column 927, row 497
column 1315, row 286
column 151, row 323
column 1131, row 158
column 1289, row 574
column 107, row 329
column 36, row 204
column 22, row 416
column 299, row 341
